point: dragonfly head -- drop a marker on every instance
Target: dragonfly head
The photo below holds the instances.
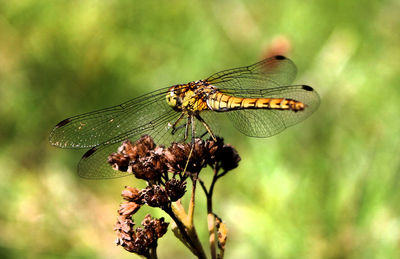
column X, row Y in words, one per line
column 173, row 98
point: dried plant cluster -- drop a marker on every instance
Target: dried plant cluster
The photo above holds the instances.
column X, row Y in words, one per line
column 166, row 171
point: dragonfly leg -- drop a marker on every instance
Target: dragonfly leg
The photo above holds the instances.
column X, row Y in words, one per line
column 174, row 128
column 190, row 121
column 205, row 133
column 207, row 127
column 185, row 125
column 193, row 129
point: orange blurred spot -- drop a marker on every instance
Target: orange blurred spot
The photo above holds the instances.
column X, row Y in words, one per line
column 280, row 45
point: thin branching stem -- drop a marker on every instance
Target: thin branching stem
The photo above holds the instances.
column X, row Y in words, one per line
column 192, row 202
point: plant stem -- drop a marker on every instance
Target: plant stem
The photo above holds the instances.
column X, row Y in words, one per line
column 180, row 213
column 153, row 253
column 192, row 203
column 181, row 227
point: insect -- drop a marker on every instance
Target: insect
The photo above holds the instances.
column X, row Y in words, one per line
column 258, row 99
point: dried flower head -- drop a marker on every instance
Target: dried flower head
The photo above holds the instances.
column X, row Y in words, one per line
column 224, row 155
column 229, row 157
column 140, row 240
column 155, row 196
column 142, row 159
column 175, row 189
column 178, row 154
column 151, row 166
column 158, row 226
column 153, row 163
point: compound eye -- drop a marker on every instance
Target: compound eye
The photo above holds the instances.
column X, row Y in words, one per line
column 171, row 99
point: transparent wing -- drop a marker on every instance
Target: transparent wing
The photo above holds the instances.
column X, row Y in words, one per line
column 264, row 122
column 269, row 73
column 134, row 117
column 93, row 164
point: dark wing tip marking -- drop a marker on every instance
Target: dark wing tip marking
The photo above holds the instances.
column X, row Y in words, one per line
column 280, row 57
column 307, row 88
column 89, row 153
column 63, row 123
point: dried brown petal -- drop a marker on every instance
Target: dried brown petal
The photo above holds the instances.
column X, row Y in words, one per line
column 119, row 162
column 176, row 156
column 213, row 148
column 125, row 154
column 131, row 194
column 158, row 160
column 127, row 149
column 124, row 224
column 144, row 145
column 128, row 208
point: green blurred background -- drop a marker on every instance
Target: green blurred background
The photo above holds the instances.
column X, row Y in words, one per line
column 326, row 188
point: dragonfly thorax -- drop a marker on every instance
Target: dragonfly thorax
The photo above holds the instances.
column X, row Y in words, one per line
column 191, row 97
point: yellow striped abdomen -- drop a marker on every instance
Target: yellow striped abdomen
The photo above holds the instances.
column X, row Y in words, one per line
column 223, row 102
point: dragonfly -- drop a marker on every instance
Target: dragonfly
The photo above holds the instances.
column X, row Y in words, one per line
column 259, row 100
